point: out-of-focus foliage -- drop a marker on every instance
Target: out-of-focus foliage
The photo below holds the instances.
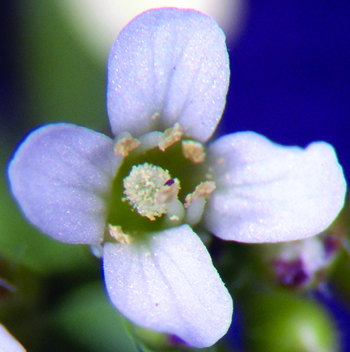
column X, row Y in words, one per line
column 98, row 22
column 62, row 83
column 86, row 316
column 280, row 321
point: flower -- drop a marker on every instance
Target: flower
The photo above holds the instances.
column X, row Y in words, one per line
column 8, row 343
column 139, row 194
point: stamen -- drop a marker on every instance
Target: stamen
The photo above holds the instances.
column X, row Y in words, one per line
column 203, row 190
column 170, row 137
column 195, row 202
column 194, row 211
column 175, row 213
column 125, row 144
column 150, row 140
column 193, row 151
column 147, row 191
column 117, row 233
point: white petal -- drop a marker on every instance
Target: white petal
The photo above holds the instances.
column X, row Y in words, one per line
column 61, row 177
column 8, row 343
column 169, row 62
column 270, row 193
column 168, row 284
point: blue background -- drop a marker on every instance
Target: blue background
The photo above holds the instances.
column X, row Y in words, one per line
column 290, row 74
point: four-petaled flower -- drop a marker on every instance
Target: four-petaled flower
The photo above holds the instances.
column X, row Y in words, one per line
column 139, row 195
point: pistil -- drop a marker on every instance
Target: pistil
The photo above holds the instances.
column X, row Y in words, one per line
column 148, row 190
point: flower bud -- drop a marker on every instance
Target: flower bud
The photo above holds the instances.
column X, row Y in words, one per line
column 279, row 321
column 302, row 264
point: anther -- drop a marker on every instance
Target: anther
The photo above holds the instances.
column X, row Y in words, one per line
column 195, row 202
column 126, row 144
column 203, row 190
column 117, row 233
column 170, row 137
column 193, row 151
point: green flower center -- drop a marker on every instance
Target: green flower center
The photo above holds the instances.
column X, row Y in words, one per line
column 162, row 183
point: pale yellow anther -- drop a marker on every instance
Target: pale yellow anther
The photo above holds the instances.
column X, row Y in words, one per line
column 149, row 188
column 193, row 151
column 117, row 233
column 125, row 145
column 203, row 190
column 170, row 137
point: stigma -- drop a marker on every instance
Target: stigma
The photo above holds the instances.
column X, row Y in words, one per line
column 150, row 190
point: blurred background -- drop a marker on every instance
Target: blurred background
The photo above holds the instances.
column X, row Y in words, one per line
column 290, row 81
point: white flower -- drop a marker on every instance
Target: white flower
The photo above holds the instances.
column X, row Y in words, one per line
column 168, row 75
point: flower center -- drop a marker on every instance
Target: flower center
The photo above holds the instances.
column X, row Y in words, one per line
column 146, row 195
